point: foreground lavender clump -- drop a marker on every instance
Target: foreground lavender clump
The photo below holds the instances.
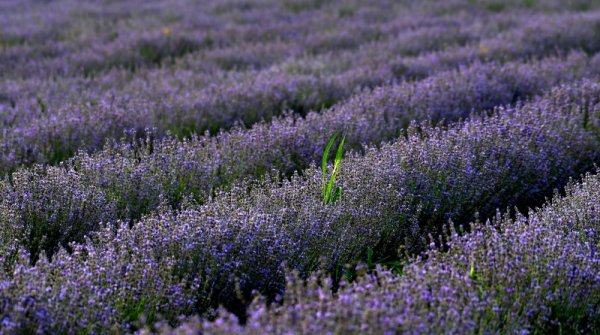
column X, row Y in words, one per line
column 534, row 274
column 173, row 263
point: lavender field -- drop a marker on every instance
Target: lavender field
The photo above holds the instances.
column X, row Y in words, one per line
column 300, row 167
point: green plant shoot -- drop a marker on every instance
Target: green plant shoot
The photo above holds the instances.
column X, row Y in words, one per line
column 331, row 194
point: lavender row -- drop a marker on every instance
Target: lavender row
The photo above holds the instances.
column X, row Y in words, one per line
column 74, row 37
column 414, row 40
column 429, row 37
column 171, row 264
column 542, row 35
column 57, row 205
column 80, row 27
column 56, row 133
column 534, row 274
column 50, row 127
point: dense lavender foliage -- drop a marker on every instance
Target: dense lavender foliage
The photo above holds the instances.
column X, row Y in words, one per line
column 170, row 263
column 49, row 124
column 159, row 166
column 124, row 182
column 217, row 98
column 535, row 274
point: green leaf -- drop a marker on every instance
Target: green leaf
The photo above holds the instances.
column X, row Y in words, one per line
column 329, row 188
column 338, row 155
column 324, row 160
column 337, row 194
column 329, row 195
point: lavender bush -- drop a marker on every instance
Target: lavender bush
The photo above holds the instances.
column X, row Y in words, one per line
column 531, row 274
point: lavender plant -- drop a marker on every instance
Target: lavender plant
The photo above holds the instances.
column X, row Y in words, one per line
column 532, row 274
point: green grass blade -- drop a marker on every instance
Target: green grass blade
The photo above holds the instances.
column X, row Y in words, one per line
column 337, row 194
column 329, row 189
column 329, row 197
column 324, row 160
column 338, row 154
